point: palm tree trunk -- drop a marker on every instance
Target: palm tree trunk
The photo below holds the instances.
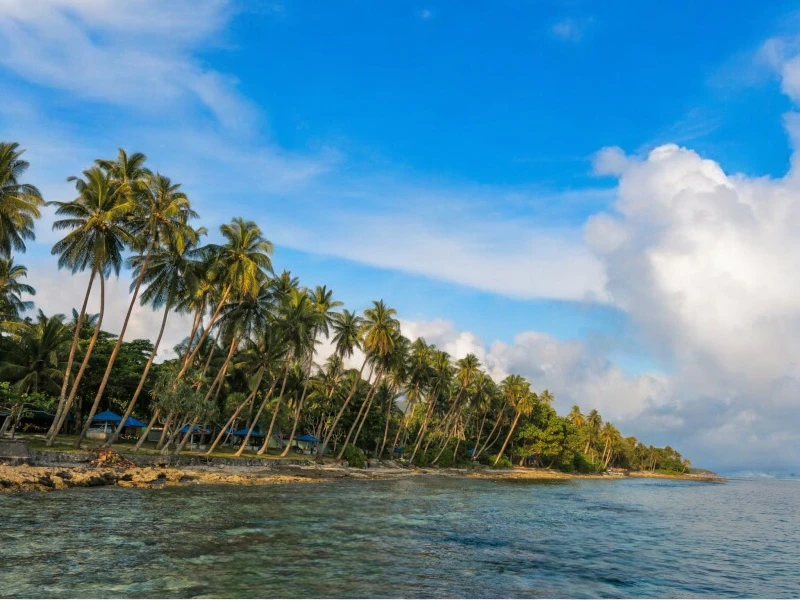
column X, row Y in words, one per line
column 491, row 433
column 238, row 410
column 277, row 408
column 62, row 398
column 404, row 423
column 203, row 337
column 424, row 427
column 364, row 418
column 508, row 438
column 84, row 364
column 386, row 425
column 255, row 419
column 480, row 433
column 115, row 351
column 299, row 404
column 223, row 370
column 174, row 435
column 367, row 398
column 187, row 436
column 449, row 436
column 340, row 412
column 211, row 352
column 189, row 343
column 146, row 431
column 142, row 379
column 165, row 430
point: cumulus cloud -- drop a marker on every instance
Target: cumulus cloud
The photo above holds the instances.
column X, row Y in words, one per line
column 705, row 264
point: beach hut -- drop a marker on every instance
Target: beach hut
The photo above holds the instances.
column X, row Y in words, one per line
column 306, row 443
column 196, row 439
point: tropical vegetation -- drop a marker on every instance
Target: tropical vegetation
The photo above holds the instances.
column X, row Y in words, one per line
column 249, row 375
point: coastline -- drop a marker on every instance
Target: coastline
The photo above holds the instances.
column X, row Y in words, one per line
column 54, row 476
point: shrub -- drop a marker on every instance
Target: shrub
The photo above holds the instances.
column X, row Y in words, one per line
column 354, row 456
column 503, row 463
column 582, row 464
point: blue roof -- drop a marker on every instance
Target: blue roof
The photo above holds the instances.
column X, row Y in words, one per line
column 256, row 432
column 306, row 438
column 134, row 422
column 107, row 417
column 197, row 429
column 111, row 417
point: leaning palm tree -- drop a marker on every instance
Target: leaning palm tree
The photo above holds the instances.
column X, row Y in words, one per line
column 518, row 393
column 297, row 320
column 381, row 329
column 347, row 330
column 12, row 304
column 96, row 240
column 468, row 368
column 169, row 277
column 160, row 214
column 323, row 304
column 19, row 202
column 242, row 264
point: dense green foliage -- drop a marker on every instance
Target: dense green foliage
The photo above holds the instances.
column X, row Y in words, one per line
column 355, row 457
column 250, row 360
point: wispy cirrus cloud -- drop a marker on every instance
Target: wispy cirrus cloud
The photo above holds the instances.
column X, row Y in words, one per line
column 137, row 54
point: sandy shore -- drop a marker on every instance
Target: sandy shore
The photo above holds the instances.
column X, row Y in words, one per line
column 29, row 478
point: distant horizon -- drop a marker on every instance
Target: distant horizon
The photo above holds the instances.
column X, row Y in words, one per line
column 564, row 191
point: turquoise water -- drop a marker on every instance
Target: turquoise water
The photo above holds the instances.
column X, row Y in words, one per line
column 420, row 537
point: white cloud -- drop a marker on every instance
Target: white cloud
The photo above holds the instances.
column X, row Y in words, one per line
column 425, row 14
column 136, row 54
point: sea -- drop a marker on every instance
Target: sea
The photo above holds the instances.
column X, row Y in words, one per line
column 421, row 537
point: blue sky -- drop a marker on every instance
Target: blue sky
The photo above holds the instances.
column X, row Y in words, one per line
column 442, row 156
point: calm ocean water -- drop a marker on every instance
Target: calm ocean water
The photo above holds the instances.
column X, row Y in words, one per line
column 421, row 537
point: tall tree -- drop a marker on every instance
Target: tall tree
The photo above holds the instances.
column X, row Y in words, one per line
column 96, row 240
column 518, row 393
column 159, row 214
column 241, row 265
column 169, row 278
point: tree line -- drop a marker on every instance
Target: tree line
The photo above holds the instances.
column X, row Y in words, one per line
column 249, row 361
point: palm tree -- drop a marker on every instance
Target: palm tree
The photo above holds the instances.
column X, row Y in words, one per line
column 12, row 289
column 96, row 239
column 419, row 373
column 271, row 350
column 323, row 304
column 398, row 377
column 468, row 368
column 380, row 329
column 19, row 202
column 160, row 215
column 518, row 393
column 440, row 381
column 35, row 362
column 576, row 416
column 169, row 277
column 347, row 337
column 593, row 424
column 297, row 319
column 241, row 264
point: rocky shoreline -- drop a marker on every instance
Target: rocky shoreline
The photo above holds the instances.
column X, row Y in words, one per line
column 43, row 471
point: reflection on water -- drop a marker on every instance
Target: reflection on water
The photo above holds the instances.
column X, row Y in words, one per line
column 420, row 537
